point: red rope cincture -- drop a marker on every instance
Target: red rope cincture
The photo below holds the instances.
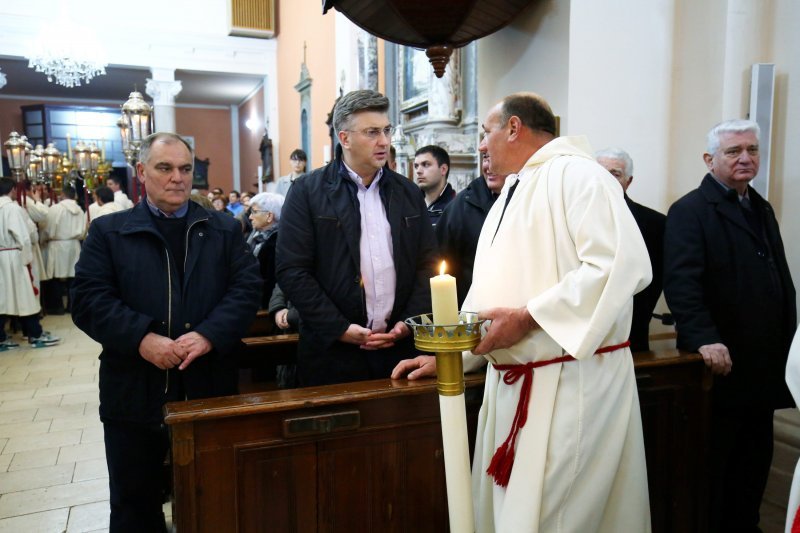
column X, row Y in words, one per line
column 503, row 458
column 796, row 522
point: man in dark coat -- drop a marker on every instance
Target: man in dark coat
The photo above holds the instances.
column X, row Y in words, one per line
column 651, row 224
column 355, row 252
column 168, row 289
column 460, row 226
column 431, row 168
column 728, row 284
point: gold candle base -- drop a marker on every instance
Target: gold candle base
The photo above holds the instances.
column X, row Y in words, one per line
column 447, row 341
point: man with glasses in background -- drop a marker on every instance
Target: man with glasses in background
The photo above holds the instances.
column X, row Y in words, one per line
column 355, row 252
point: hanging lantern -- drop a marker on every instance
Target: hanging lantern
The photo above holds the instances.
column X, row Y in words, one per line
column 15, row 150
column 137, row 116
column 34, row 167
column 28, row 151
column 81, row 154
column 437, row 26
column 124, row 133
column 50, row 160
column 94, row 157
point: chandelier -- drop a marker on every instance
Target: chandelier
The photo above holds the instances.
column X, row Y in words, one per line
column 67, row 54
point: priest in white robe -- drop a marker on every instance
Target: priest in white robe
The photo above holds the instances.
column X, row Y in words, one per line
column 37, row 214
column 558, row 262
column 18, row 296
column 66, row 227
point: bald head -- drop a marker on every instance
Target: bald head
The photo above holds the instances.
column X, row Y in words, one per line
column 514, row 129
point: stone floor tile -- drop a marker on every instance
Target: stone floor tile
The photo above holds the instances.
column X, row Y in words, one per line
column 92, row 434
column 21, row 415
column 88, row 517
column 5, row 460
column 91, row 469
column 34, row 459
column 76, row 422
column 55, row 497
column 34, row 478
column 16, row 405
column 81, row 452
column 37, row 442
column 61, row 390
column 81, row 397
column 59, row 411
column 46, row 522
column 21, row 429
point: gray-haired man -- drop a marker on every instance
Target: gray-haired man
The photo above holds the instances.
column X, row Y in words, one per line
column 728, row 284
column 355, row 252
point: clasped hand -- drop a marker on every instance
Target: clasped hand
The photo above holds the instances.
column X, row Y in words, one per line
column 367, row 340
column 166, row 353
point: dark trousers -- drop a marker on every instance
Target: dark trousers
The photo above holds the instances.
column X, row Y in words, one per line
column 741, row 455
column 135, row 456
column 30, row 326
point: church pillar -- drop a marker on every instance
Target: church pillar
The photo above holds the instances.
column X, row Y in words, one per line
column 163, row 88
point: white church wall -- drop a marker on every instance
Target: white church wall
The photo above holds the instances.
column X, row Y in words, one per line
column 785, row 179
column 531, row 54
column 620, row 66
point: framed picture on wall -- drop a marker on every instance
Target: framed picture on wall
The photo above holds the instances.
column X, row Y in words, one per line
column 200, row 177
column 414, row 77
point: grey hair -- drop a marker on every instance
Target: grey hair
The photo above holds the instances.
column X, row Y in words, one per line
column 617, row 153
column 268, row 201
column 355, row 102
column 737, row 125
column 165, row 137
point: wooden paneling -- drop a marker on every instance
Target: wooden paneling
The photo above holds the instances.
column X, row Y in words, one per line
column 238, row 468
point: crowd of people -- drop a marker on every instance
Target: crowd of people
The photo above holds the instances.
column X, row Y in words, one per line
column 546, row 245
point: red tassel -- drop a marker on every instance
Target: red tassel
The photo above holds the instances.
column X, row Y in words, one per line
column 501, row 465
column 503, row 458
column 796, row 523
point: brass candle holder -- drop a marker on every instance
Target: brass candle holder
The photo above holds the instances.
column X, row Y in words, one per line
column 447, row 341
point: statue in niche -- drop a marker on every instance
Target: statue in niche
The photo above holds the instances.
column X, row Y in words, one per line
column 266, row 157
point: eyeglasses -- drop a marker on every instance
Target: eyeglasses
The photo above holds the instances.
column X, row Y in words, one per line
column 374, row 133
column 257, row 212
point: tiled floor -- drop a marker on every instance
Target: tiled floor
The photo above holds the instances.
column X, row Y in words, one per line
column 53, row 475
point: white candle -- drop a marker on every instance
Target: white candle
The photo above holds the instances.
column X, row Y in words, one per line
column 103, row 149
column 443, row 298
column 69, row 148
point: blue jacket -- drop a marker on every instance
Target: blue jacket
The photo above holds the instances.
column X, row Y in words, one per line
column 319, row 269
column 126, row 285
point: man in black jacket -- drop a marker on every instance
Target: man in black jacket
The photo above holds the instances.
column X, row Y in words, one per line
column 168, row 288
column 460, row 226
column 728, row 284
column 651, row 223
column 355, row 252
column 431, row 168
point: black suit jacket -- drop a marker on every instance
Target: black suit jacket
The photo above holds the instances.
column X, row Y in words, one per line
column 319, row 269
column 651, row 225
column 726, row 284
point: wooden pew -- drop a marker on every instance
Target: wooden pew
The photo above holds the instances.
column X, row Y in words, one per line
column 367, row 456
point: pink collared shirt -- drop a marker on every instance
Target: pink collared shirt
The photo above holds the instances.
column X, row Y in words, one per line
column 377, row 261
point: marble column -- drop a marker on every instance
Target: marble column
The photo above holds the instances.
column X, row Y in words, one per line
column 163, row 88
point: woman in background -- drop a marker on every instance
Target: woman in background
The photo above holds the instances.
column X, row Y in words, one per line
column 265, row 215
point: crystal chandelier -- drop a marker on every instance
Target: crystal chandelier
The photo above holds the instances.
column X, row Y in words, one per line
column 67, row 54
